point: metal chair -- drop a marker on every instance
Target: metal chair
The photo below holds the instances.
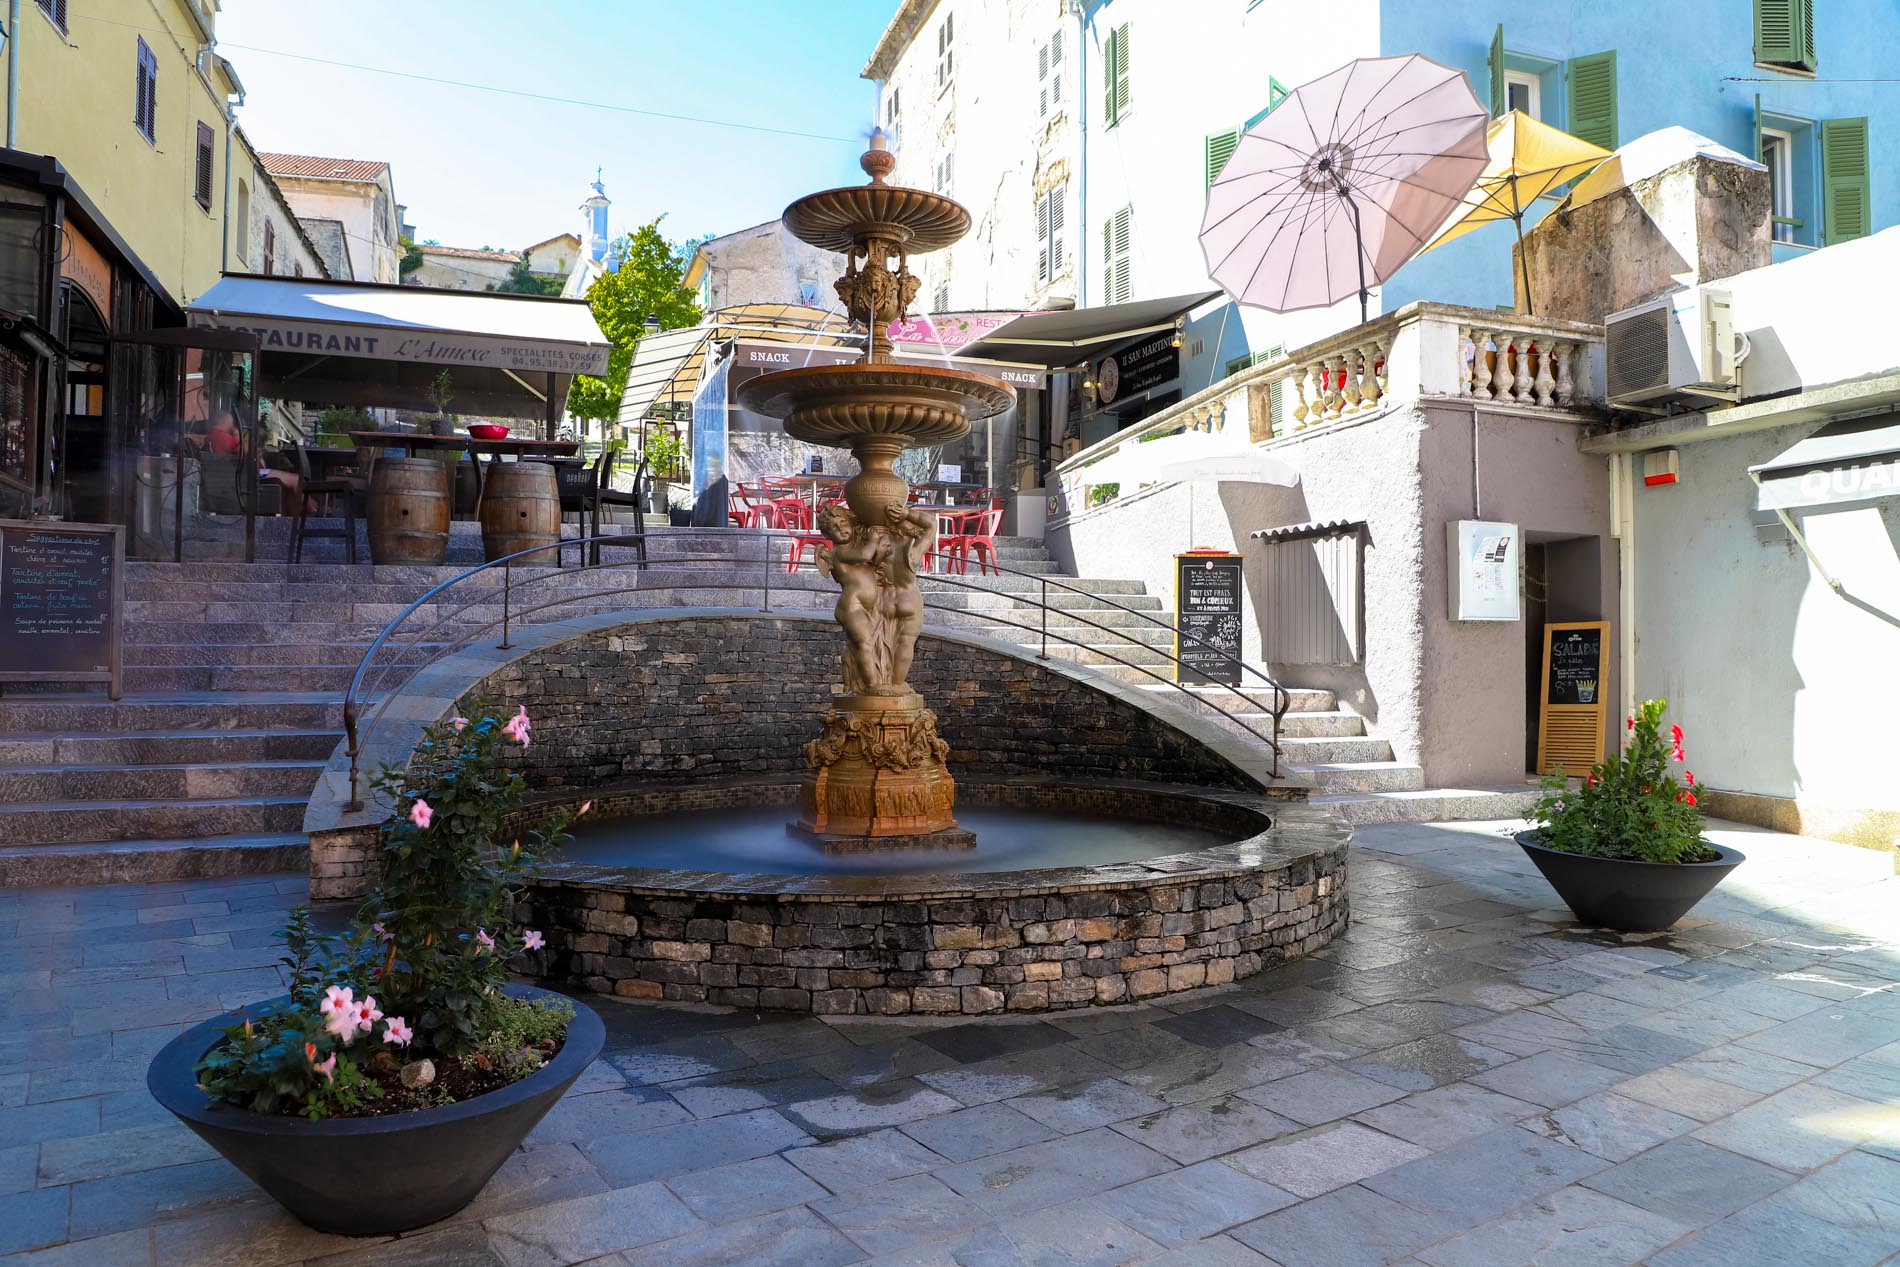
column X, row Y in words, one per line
column 607, row 497
column 336, row 484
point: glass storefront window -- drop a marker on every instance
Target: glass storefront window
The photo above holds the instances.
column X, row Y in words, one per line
column 20, row 257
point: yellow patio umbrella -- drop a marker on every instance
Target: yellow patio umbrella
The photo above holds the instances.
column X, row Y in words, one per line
column 1528, row 159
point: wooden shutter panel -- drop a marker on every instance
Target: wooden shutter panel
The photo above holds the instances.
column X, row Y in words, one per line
column 1121, row 70
column 1108, row 78
column 1784, row 33
column 202, row 187
column 1220, row 147
column 1276, row 390
column 1055, row 228
column 1500, row 95
column 1593, row 98
column 1846, row 190
column 1043, row 269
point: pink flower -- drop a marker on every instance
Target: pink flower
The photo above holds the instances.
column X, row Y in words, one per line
column 342, row 1023
column 382, row 932
column 325, row 1067
column 460, row 723
column 517, row 727
column 397, row 1032
column 481, row 935
column 367, row 1014
column 420, row 813
column 337, row 998
column 585, row 806
column 532, row 940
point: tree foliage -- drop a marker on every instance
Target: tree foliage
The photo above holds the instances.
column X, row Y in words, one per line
column 411, row 257
column 523, row 280
column 648, row 283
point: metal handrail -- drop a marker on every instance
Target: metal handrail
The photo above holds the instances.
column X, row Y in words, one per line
column 355, row 697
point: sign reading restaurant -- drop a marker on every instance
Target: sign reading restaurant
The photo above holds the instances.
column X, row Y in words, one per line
column 313, row 339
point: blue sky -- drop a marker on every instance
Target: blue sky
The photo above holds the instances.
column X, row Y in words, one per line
column 481, row 168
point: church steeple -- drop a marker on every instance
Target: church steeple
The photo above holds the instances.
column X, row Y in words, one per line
column 594, row 220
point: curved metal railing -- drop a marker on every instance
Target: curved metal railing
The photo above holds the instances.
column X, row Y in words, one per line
column 365, row 701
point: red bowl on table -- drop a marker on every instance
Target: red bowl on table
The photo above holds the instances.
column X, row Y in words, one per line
column 488, row 431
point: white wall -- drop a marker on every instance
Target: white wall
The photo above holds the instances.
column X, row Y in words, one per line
column 1785, row 689
column 367, row 214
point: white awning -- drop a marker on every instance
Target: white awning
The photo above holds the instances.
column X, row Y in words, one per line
column 1078, row 334
column 1843, row 462
column 478, row 330
column 666, row 366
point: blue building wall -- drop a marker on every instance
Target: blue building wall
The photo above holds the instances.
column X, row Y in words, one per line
column 1674, row 60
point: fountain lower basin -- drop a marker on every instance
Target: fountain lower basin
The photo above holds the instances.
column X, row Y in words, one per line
column 1153, row 912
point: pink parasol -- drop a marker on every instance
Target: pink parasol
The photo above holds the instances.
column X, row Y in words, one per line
column 1348, row 178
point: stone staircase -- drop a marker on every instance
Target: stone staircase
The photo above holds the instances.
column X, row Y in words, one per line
column 235, row 675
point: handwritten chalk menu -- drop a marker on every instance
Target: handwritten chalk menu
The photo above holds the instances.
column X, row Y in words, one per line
column 1576, row 665
column 1570, row 724
column 1207, row 597
column 61, row 590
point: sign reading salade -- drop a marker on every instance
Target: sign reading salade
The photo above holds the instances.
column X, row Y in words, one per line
column 61, row 602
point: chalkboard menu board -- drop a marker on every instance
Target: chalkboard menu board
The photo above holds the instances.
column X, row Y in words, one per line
column 1207, row 597
column 61, row 602
column 1576, row 665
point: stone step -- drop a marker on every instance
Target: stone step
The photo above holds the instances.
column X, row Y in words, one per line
column 208, row 654
column 1432, row 805
column 159, row 782
column 176, row 710
column 1361, row 750
column 152, row 861
column 1363, row 776
column 85, row 822
column 160, row 747
column 1301, row 699
column 245, row 677
column 1336, row 724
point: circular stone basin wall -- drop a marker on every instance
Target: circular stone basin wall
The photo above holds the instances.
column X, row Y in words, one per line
column 969, row 944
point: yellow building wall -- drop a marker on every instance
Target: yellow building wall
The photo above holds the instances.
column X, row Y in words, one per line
column 77, row 97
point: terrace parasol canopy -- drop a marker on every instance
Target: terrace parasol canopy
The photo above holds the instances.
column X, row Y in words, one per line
column 1342, row 183
column 1528, row 160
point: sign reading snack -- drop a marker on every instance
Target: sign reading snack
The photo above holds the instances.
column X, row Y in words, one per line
column 62, row 592
column 1570, row 723
column 1207, row 598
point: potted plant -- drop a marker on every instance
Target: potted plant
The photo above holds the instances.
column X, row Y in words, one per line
column 1624, row 849
column 440, row 395
column 663, row 451
column 402, row 1068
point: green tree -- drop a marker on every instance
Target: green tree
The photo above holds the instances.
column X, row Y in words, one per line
column 411, row 258
column 648, row 284
column 523, row 280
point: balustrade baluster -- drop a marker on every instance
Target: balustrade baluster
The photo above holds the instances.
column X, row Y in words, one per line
column 1464, row 361
column 1501, row 379
column 1566, row 385
column 1523, row 370
column 1349, row 387
column 1480, row 367
column 1299, row 398
column 1546, row 381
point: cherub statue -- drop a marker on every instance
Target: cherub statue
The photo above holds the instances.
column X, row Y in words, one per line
column 914, row 534
column 855, row 559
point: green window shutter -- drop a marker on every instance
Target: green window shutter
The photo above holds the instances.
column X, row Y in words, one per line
column 1500, row 97
column 1219, row 148
column 1108, row 79
column 1784, row 33
column 1276, row 390
column 1116, row 285
column 1118, row 76
column 1847, row 212
column 1593, row 98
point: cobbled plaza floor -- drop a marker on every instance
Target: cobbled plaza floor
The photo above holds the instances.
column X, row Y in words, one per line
column 1465, row 1079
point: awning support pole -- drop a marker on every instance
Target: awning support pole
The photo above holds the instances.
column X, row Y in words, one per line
column 1795, row 532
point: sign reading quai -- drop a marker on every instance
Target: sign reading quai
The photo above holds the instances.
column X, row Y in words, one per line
column 62, row 588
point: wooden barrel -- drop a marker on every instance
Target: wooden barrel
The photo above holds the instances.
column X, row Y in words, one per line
column 521, row 509
column 409, row 511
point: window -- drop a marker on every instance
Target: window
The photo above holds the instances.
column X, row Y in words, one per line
column 1777, row 155
column 943, row 173
column 55, row 11
column 1049, row 216
column 1116, row 284
column 201, row 178
column 1845, row 188
column 145, row 102
column 1593, row 98
column 946, row 52
column 1115, row 75
column 1049, row 76
column 940, row 302
column 270, row 246
column 1784, row 34
column 1522, row 91
column 891, row 111
column 1217, row 149
column 243, row 227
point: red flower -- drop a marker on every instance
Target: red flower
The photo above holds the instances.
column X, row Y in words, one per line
column 1629, row 723
column 1592, row 780
column 1645, row 791
column 1687, row 798
column 1677, row 754
column 1688, row 776
column 1675, row 735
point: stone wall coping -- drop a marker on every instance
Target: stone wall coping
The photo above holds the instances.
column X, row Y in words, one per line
column 430, row 695
column 1298, row 832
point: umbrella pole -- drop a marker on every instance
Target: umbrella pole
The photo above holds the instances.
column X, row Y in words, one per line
column 1358, row 250
column 1523, row 264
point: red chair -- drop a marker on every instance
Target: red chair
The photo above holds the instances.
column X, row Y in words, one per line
column 753, row 507
column 976, row 535
column 801, row 542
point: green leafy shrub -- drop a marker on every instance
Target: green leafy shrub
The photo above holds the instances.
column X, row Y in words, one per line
column 1630, row 805
column 427, row 954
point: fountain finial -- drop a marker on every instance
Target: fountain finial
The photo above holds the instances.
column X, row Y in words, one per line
column 878, row 161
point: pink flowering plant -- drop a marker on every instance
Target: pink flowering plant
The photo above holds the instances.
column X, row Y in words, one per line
column 418, row 976
column 1630, row 805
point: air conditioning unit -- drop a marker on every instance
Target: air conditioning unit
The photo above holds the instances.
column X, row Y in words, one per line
column 1680, row 346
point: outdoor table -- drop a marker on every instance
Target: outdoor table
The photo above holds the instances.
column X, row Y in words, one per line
column 951, row 487
column 515, row 446
column 813, row 481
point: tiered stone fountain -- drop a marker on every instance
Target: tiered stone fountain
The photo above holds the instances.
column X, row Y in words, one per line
column 877, row 777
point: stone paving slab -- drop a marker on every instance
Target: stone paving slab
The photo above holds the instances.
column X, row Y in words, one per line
column 1464, row 1078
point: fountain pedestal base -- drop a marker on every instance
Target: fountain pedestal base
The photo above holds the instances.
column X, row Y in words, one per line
column 878, row 774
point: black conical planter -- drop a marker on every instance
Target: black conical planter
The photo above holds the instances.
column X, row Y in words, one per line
column 1637, row 897
column 368, row 1176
